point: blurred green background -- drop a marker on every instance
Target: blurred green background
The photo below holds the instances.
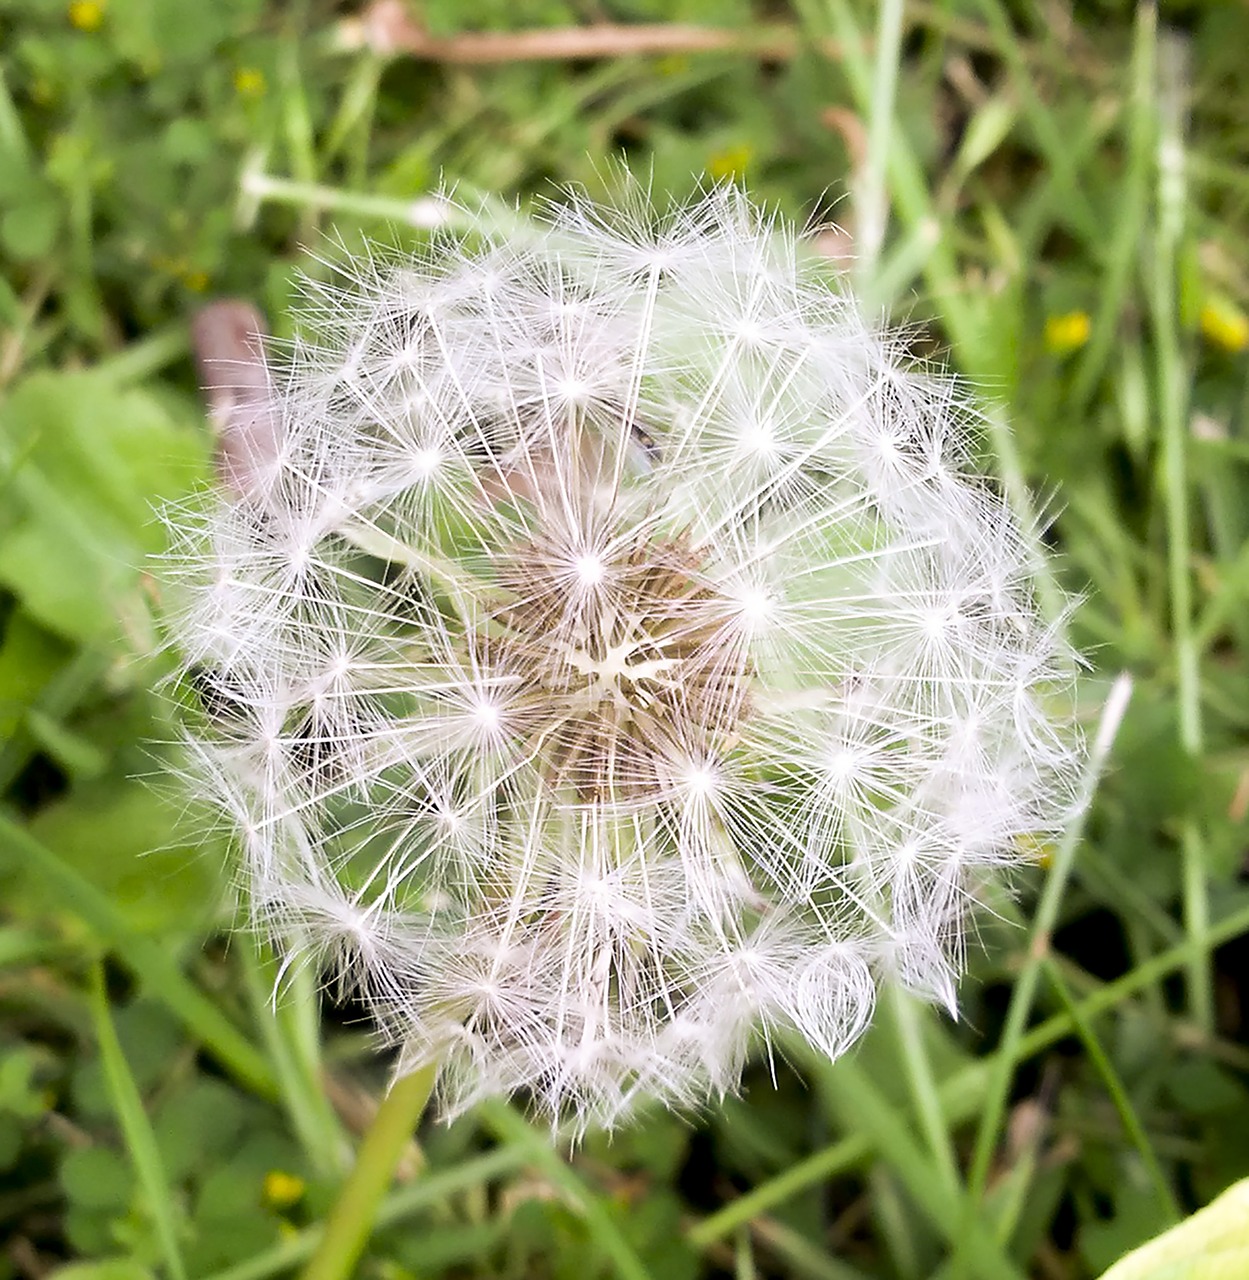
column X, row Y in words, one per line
column 1054, row 195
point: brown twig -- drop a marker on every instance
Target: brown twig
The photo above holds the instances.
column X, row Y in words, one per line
column 388, row 28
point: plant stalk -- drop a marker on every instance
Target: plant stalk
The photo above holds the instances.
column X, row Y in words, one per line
column 350, row 1223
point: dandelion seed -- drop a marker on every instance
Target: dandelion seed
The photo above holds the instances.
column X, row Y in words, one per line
column 622, row 663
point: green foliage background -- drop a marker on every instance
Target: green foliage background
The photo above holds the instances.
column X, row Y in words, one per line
column 1068, row 196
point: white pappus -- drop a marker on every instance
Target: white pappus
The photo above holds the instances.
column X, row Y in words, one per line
column 617, row 659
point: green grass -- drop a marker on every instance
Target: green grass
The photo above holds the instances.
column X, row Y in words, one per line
column 1054, row 197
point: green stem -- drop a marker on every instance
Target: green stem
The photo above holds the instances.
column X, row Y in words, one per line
column 926, row 1103
column 351, row 1220
column 510, row 1127
column 1173, row 393
column 872, row 204
column 1046, row 919
column 1132, row 1125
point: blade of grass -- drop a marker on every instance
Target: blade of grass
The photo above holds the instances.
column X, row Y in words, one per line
column 803, row 1257
column 356, row 107
column 140, row 360
column 872, row 197
column 1054, row 145
column 510, row 1127
column 297, row 130
column 145, row 959
column 900, row 264
column 1132, row 212
column 1172, row 391
column 744, row 1257
column 925, row 1101
column 860, row 1103
column 1132, row 1125
column 1046, row 916
column 297, row 1068
column 58, row 697
column 135, row 1127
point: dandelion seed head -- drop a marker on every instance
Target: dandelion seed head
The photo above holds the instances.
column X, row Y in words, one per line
column 618, row 665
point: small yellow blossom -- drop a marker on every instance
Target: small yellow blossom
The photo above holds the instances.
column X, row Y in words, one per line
column 282, row 1189
column 195, row 280
column 249, row 82
column 1035, row 849
column 730, row 163
column 1068, row 332
column 87, row 15
column 1224, row 324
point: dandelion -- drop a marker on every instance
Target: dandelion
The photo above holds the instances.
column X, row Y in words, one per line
column 616, row 663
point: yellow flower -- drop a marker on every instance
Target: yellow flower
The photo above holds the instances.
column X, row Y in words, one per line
column 1035, row 849
column 282, row 1189
column 1224, row 324
column 730, row 163
column 87, row 15
column 195, row 280
column 249, row 82
column 1068, row 332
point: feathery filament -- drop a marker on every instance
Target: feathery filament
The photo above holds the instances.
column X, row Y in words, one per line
column 618, row 658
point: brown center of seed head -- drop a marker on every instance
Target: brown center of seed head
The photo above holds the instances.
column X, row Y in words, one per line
column 626, row 662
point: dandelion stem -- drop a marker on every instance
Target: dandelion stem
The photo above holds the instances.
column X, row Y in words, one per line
column 351, row 1220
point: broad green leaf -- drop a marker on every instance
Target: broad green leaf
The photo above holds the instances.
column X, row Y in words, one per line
column 96, row 1177
column 124, row 838
column 30, row 230
column 1211, row 1245
column 86, row 466
column 102, row 1269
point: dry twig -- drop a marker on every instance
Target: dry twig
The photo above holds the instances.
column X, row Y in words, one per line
column 388, row 28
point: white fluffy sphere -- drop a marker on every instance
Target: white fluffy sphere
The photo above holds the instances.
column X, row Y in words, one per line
column 617, row 659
